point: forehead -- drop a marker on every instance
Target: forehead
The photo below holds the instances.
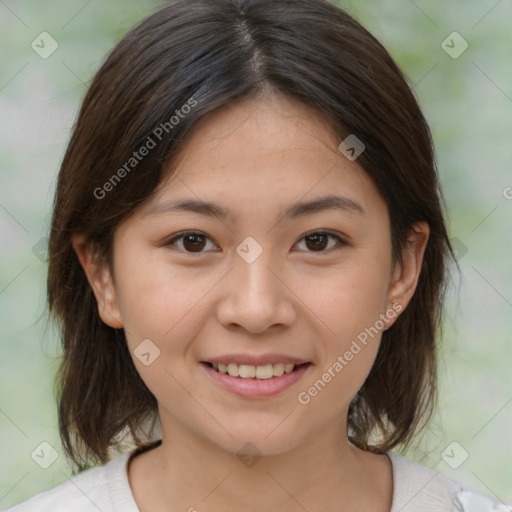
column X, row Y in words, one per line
column 262, row 153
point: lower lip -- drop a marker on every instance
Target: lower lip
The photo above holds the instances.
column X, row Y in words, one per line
column 257, row 388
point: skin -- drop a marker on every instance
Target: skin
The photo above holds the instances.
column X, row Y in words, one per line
column 256, row 157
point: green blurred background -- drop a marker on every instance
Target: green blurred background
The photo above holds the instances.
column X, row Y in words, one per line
column 468, row 103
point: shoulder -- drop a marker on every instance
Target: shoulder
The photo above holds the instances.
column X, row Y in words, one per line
column 91, row 490
column 79, row 493
column 417, row 488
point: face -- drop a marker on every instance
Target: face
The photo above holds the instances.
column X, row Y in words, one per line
column 283, row 275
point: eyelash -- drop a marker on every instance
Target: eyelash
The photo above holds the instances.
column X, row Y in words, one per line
column 184, row 234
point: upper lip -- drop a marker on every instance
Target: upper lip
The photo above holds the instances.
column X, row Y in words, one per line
column 261, row 360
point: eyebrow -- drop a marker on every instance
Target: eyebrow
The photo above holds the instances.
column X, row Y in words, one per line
column 299, row 209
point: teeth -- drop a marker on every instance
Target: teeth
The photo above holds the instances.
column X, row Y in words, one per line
column 233, row 370
column 247, row 371
column 279, row 369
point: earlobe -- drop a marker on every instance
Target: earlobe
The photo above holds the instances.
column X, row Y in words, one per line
column 406, row 275
column 100, row 280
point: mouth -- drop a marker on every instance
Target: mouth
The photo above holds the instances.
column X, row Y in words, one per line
column 255, row 382
column 248, row 371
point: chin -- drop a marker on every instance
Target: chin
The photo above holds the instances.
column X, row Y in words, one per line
column 249, row 439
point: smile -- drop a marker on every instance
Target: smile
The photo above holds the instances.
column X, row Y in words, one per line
column 251, row 381
column 248, row 371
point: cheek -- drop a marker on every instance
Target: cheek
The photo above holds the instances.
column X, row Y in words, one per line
column 161, row 303
column 330, row 391
column 348, row 298
column 168, row 309
column 349, row 302
column 350, row 306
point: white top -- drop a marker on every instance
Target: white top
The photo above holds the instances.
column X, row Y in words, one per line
column 416, row 488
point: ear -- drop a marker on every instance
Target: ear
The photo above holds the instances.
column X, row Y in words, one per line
column 101, row 281
column 405, row 276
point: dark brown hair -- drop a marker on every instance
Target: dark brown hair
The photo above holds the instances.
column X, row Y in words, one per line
column 217, row 52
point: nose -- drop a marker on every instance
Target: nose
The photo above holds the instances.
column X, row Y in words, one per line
column 255, row 296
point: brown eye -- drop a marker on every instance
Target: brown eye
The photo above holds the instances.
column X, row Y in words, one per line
column 191, row 242
column 194, row 243
column 319, row 241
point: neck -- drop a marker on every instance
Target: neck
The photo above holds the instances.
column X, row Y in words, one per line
column 193, row 473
